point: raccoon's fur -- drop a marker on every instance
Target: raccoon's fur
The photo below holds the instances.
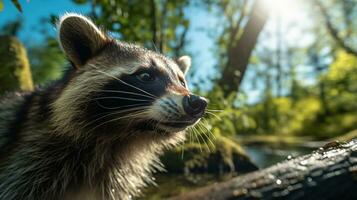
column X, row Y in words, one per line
column 97, row 132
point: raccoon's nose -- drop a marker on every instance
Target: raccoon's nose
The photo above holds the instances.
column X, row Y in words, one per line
column 194, row 105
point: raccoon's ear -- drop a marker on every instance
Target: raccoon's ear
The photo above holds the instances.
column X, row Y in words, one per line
column 184, row 62
column 80, row 39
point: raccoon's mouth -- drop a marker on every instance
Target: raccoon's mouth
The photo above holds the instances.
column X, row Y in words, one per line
column 165, row 126
column 177, row 124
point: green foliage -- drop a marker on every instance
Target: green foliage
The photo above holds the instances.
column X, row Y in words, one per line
column 155, row 24
column 303, row 111
column 226, row 117
column 284, row 116
column 11, row 28
column 47, row 62
column 341, row 80
column 341, row 98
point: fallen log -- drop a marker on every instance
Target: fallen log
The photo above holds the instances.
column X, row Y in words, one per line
column 327, row 173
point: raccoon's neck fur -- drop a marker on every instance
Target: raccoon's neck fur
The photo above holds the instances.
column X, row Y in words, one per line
column 37, row 163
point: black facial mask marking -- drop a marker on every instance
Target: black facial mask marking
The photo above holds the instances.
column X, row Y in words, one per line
column 129, row 93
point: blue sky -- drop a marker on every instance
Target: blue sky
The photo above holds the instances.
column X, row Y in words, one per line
column 33, row 12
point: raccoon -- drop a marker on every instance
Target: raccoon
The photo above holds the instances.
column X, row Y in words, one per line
column 96, row 133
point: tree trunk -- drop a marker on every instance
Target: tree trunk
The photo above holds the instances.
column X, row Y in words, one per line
column 328, row 173
column 239, row 54
column 15, row 68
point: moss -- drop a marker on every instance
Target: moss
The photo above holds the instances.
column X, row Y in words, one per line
column 346, row 137
column 15, row 71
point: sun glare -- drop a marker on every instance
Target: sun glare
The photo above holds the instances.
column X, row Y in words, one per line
column 287, row 10
column 288, row 20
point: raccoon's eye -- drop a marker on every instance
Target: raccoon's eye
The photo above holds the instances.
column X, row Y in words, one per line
column 182, row 82
column 146, row 77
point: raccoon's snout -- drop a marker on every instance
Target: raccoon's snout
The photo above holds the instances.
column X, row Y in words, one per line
column 194, row 105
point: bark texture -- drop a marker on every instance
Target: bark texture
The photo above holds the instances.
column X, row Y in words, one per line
column 328, row 173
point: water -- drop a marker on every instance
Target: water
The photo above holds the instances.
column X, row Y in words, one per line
column 264, row 156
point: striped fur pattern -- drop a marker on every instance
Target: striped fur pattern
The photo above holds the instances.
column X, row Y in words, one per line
column 96, row 133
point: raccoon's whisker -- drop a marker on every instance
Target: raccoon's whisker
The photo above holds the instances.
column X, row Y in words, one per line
column 197, row 139
column 209, row 140
column 113, row 113
column 130, row 85
column 124, row 98
column 203, row 142
column 191, row 134
column 208, row 130
column 205, row 134
column 119, row 107
column 182, row 151
column 191, row 130
column 125, row 92
column 200, row 135
column 168, row 121
column 119, row 112
column 216, row 116
column 118, row 118
column 134, row 114
column 214, row 110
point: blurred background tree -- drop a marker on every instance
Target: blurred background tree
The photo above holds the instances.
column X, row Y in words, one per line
column 15, row 68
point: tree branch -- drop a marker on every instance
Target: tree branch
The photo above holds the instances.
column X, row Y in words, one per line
column 329, row 173
column 153, row 22
column 163, row 26
column 181, row 42
column 333, row 31
column 236, row 28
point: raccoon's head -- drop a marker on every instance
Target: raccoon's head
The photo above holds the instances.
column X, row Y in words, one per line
column 120, row 86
